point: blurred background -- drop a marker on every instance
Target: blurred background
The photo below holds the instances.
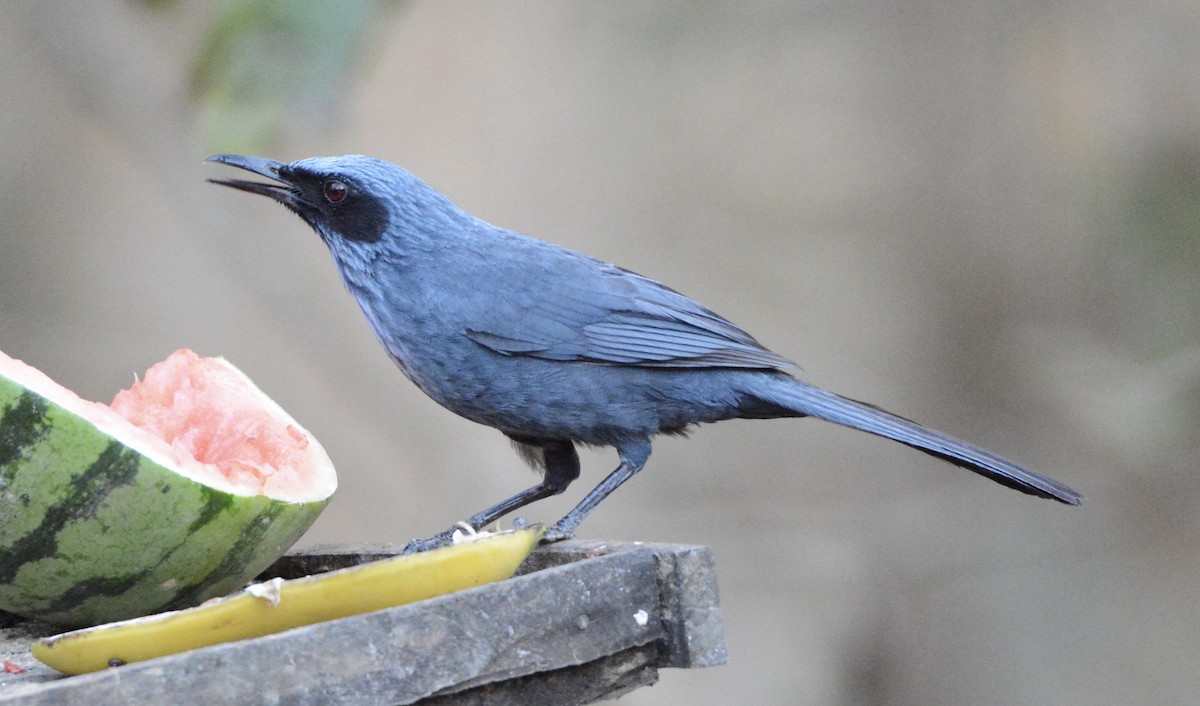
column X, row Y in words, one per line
column 983, row 215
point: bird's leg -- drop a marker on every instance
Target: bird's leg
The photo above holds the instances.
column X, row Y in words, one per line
column 633, row 458
column 561, row 467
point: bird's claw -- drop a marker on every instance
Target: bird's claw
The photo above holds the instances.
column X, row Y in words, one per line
column 557, row 534
column 441, row 539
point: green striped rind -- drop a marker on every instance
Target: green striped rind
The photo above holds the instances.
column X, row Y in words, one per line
column 92, row 531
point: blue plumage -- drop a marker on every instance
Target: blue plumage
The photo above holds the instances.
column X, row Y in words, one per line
column 550, row 346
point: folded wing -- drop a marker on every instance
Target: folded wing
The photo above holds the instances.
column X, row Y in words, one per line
column 617, row 317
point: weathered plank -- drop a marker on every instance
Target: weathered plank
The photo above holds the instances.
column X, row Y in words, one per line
column 584, row 621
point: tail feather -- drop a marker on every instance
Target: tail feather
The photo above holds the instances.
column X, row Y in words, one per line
column 806, row 400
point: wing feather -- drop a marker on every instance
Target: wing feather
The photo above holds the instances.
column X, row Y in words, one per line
column 614, row 316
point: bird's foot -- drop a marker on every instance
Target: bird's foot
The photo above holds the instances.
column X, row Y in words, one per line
column 441, row 539
column 446, row 538
column 557, row 533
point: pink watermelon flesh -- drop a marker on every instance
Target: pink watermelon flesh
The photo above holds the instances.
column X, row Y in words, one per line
column 207, row 421
column 198, row 407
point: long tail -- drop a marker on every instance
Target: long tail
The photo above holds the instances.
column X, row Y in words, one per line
column 803, row 399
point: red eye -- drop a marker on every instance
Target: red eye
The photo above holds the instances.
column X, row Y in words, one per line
column 335, row 191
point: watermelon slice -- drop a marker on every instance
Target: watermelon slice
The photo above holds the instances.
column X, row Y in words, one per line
column 187, row 487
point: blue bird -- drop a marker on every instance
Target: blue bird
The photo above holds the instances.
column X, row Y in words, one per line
column 553, row 347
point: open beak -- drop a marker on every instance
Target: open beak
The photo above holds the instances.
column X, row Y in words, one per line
column 281, row 191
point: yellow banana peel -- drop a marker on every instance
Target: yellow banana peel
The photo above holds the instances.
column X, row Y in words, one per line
column 279, row 605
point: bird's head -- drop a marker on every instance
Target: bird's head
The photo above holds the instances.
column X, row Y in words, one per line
column 347, row 199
